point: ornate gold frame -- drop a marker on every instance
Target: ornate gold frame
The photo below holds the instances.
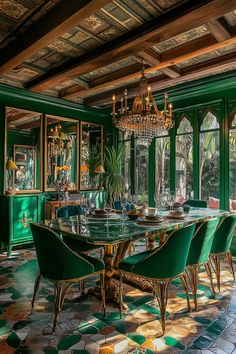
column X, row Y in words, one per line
column 25, row 191
column 80, row 149
column 62, row 119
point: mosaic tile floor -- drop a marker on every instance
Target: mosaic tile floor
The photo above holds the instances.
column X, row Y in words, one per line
column 83, row 329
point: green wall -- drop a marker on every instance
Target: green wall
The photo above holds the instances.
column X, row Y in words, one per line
column 22, row 99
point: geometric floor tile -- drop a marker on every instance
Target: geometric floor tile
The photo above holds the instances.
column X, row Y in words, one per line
column 83, row 329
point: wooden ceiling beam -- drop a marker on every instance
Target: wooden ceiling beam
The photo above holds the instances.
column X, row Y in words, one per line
column 218, row 30
column 54, row 24
column 169, row 58
column 176, row 21
column 74, row 92
column 152, row 58
column 157, row 83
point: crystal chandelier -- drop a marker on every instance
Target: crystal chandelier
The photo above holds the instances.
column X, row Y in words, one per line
column 58, row 141
column 144, row 119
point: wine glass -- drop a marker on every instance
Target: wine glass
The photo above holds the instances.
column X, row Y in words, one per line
column 86, row 205
column 171, row 199
column 123, row 202
column 107, row 207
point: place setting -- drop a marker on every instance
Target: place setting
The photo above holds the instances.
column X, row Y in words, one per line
column 150, row 216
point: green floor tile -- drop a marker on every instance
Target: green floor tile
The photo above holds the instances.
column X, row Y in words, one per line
column 151, row 309
column 3, row 323
column 13, row 340
column 201, row 343
column 138, row 338
column 202, row 320
column 88, row 330
column 143, row 300
column 172, row 342
column 21, row 324
column 69, row 342
column 4, row 330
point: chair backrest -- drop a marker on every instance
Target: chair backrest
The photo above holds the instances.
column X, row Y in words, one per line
column 224, row 235
column 69, row 210
column 202, row 242
column 57, row 261
column 169, row 260
column 196, row 203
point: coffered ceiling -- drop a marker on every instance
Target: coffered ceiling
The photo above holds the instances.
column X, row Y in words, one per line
column 86, row 50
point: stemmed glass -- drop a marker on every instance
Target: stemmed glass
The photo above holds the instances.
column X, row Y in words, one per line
column 86, row 205
column 123, row 206
column 108, row 207
column 171, row 199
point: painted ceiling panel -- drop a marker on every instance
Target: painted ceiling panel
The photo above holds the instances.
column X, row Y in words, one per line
column 115, row 19
column 181, row 39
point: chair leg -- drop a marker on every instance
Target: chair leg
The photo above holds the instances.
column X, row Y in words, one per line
column 36, row 286
column 193, row 277
column 163, row 296
column 230, row 260
column 185, row 286
column 103, row 295
column 216, row 261
column 209, row 273
column 121, row 294
column 60, row 290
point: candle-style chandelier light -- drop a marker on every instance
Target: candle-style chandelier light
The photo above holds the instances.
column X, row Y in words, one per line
column 143, row 119
column 58, row 141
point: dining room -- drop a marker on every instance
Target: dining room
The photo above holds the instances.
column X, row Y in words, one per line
column 117, row 176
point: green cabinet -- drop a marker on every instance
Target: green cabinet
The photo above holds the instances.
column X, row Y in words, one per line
column 16, row 214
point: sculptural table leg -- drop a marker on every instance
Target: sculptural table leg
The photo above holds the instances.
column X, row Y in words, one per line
column 111, row 260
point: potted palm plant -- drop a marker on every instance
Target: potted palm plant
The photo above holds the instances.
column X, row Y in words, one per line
column 114, row 180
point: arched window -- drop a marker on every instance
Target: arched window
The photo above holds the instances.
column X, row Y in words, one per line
column 232, row 164
column 162, row 181
column 209, row 168
column 124, row 139
column 184, row 160
column 141, row 170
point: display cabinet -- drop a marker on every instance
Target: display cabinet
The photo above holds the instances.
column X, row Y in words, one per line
column 16, row 214
column 23, row 151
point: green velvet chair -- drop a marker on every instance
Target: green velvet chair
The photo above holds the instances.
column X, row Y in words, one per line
column 196, row 203
column 76, row 245
column 161, row 265
column 221, row 245
column 199, row 254
column 62, row 266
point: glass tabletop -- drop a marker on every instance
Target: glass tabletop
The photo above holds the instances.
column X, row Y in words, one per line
column 116, row 229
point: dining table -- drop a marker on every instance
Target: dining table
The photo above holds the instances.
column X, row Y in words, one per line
column 115, row 232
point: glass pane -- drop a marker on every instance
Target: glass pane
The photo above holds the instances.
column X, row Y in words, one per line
column 61, row 154
column 25, row 159
column 184, row 166
column 91, row 164
column 209, row 122
column 233, row 124
column 210, row 168
column 232, row 169
column 23, row 150
column 184, row 127
column 141, row 171
column 126, row 168
column 162, row 165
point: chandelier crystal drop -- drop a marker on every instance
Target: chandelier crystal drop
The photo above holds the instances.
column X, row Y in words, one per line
column 58, row 141
column 143, row 119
